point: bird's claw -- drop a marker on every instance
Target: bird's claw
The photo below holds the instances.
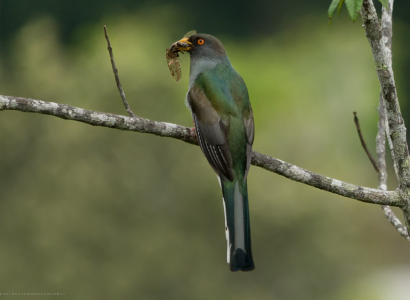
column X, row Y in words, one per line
column 193, row 131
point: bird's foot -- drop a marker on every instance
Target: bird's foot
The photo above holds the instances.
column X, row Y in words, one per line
column 193, row 131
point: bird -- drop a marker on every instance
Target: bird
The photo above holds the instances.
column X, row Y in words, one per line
column 221, row 111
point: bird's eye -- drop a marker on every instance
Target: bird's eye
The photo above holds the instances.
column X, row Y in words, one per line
column 201, row 42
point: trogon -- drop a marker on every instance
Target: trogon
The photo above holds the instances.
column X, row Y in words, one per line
column 223, row 117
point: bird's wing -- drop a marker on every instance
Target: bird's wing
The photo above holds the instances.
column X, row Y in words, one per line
column 250, row 134
column 212, row 132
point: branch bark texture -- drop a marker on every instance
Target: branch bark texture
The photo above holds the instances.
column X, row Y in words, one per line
column 396, row 129
column 387, row 35
column 379, row 35
column 188, row 135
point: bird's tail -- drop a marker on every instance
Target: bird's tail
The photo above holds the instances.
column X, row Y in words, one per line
column 237, row 225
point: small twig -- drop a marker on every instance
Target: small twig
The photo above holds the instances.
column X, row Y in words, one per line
column 356, row 121
column 391, row 217
column 117, row 77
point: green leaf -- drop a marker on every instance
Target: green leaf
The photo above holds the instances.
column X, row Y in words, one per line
column 385, row 3
column 353, row 7
column 339, row 8
column 332, row 8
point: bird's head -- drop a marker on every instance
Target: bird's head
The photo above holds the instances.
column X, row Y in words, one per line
column 201, row 46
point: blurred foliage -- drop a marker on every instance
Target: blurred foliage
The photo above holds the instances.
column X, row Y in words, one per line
column 231, row 17
column 212, row 16
column 353, row 7
column 104, row 214
column 236, row 19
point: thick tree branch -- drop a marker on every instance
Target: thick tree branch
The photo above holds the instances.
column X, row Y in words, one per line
column 381, row 146
column 381, row 155
column 396, row 129
column 379, row 35
column 335, row 186
column 387, row 35
column 94, row 118
column 185, row 134
column 381, row 167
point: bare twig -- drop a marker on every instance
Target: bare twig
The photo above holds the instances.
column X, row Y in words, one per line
column 387, row 35
column 117, row 77
column 369, row 155
column 402, row 230
column 186, row 134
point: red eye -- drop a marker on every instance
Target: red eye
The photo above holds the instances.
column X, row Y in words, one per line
column 201, row 42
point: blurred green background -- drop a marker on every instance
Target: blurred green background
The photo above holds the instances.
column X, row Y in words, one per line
column 97, row 213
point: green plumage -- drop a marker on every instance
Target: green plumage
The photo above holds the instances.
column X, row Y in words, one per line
column 228, row 99
column 241, row 253
column 219, row 102
column 228, row 96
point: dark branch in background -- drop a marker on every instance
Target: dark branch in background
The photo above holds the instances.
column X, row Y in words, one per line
column 117, row 77
column 356, row 121
column 186, row 134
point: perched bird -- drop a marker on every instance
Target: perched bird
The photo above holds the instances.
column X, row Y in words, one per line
column 223, row 117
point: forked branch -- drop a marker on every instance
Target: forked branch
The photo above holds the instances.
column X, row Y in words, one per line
column 381, row 168
column 387, row 35
column 395, row 128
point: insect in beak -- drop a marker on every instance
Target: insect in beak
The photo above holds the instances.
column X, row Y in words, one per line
column 172, row 54
column 181, row 45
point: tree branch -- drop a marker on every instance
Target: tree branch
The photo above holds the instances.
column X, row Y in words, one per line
column 362, row 141
column 381, row 167
column 95, row 118
column 381, row 145
column 381, row 155
column 185, row 134
column 117, row 76
column 387, row 35
column 396, row 128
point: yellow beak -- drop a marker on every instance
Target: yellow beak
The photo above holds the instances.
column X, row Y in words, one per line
column 181, row 45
